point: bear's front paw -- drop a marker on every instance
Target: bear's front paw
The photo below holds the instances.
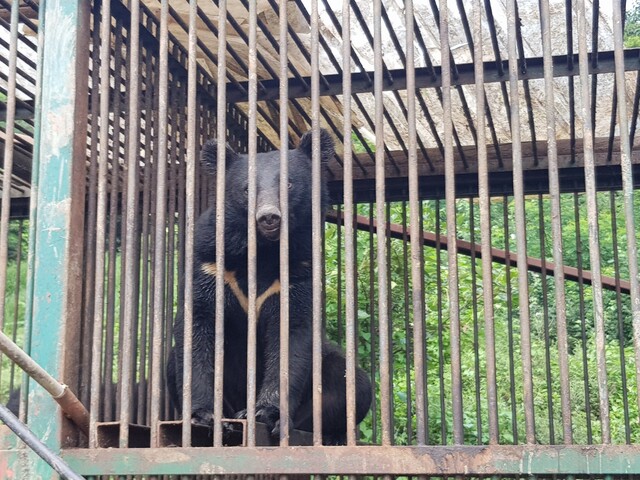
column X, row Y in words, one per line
column 270, row 416
column 202, row 418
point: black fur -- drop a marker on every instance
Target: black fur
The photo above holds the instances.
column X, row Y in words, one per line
column 300, row 298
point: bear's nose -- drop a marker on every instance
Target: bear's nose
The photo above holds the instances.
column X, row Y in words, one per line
column 269, row 218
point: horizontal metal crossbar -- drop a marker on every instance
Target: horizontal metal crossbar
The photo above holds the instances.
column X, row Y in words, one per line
column 370, row 460
column 362, row 82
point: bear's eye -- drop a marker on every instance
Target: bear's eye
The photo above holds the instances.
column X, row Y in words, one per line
column 246, row 190
column 290, row 185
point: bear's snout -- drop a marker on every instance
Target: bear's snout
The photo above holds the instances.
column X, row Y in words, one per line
column 268, row 219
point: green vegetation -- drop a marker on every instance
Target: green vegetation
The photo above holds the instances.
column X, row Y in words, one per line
column 632, row 26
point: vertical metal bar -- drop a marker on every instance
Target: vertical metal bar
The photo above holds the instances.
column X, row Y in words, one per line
column 83, row 391
column 417, row 292
column 521, row 240
column 556, row 223
column 339, row 283
column 284, row 244
column 176, row 124
column 146, row 280
column 592, row 212
column 16, row 298
column 101, row 225
column 619, row 314
column 7, row 170
column 160, row 226
column 545, row 319
column 61, row 160
column 583, row 317
column 252, row 253
column 372, row 327
column 407, row 326
column 485, row 227
column 33, row 215
column 443, row 418
column 476, row 327
column 423, row 301
column 350, row 239
column 109, row 391
column 383, row 294
column 317, row 224
column 627, row 184
column 509, row 288
column 452, row 273
column 390, row 354
column 131, row 226
column 220, row 204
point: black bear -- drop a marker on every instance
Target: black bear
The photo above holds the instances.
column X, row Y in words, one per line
column 268, row 221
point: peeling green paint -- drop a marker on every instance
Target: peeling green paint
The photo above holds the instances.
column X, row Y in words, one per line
column 56, row 130
column 365, row 460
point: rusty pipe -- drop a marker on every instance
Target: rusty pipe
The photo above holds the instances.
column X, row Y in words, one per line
column 69, row 403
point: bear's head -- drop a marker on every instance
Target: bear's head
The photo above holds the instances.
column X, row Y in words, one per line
column 268, row 208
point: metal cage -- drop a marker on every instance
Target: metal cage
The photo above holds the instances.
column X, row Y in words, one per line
column 479, row 259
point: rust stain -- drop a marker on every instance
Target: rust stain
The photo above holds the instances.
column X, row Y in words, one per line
column 232, row 282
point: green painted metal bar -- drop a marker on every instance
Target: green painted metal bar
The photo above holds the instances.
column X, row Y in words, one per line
column 57, row 248
column 433, row 460
column 12, row 462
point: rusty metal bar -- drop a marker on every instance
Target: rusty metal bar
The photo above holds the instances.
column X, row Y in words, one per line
column 476, row 326
column 379, row 460
column 284, row 240
column 620, row 315
column 439, row 309
column 592, row 211
column 101, row 225
column 407, row 326
column 252, row 251
column 521, row 250
column 157, row 316
column 510, row 341
column 143, row 346
column 485, row 227
column 583, row 317
column 177, row 124
column 452, row 272
column 317, row 224
column 627, row 185
column 109, row 403
column 383, row 293
column 70, row 405
column 131, row 226
column 8, row 158
column 350, row 231
column 221, row 121
column 556, row 226
column 545, row 319
column 187, row 374
column 89, row 252
column 372, row 328
column 417, row 292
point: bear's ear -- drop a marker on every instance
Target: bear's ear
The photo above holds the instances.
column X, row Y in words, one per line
column 209, row 155
column 327, row 147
